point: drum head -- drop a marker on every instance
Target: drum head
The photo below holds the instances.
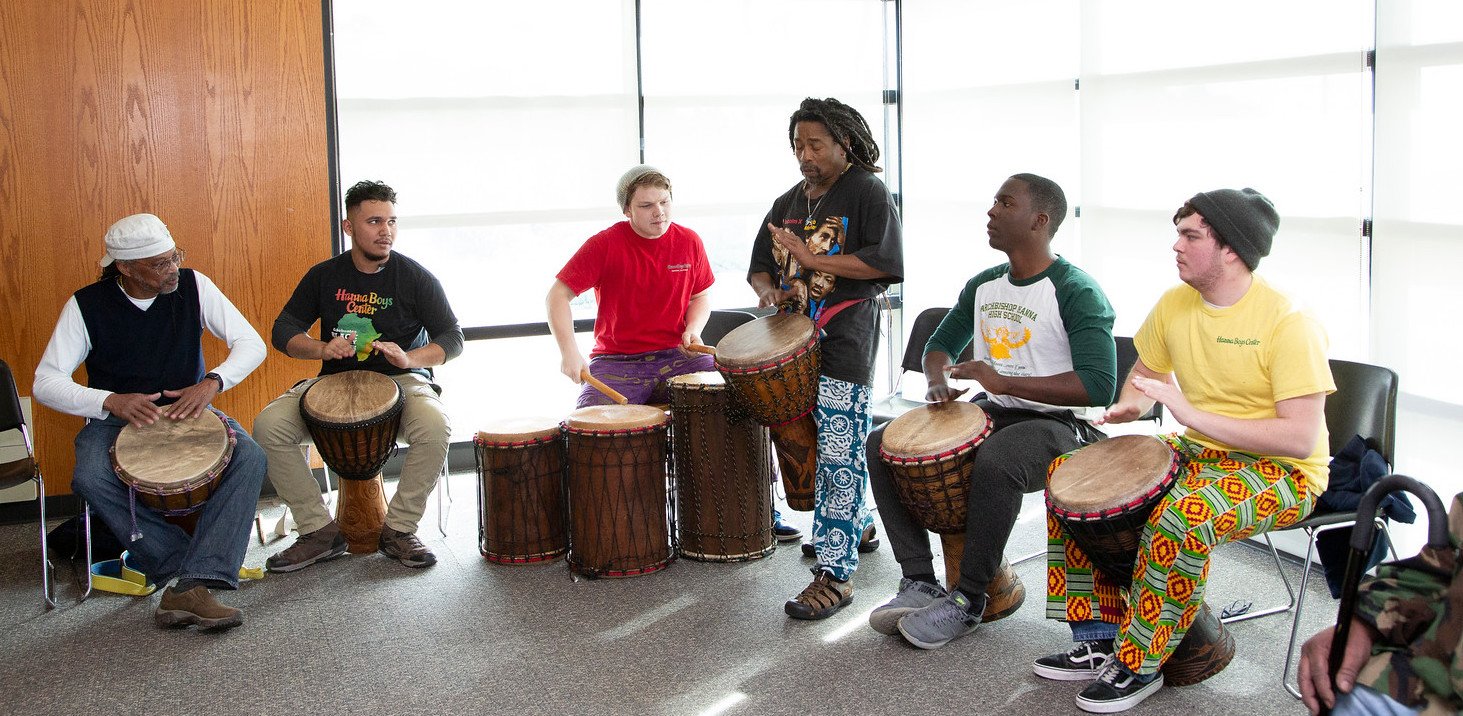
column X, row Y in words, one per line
column 519, row 430
column 704, row 380
column 935, row 429
column 169, row 454
column 1111, row 474
column 351, row 397
column 765, row 340
column 615, row 417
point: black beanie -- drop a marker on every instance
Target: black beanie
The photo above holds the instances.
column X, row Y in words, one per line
column 1244, row 220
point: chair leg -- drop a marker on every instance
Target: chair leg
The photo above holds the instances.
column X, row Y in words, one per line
column 86, row 537
column 444, row 500
column 1279, row 569
column 48, row 588
column 1028, row 557
column 1305, row 574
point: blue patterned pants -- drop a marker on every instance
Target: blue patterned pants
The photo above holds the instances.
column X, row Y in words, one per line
column 840, row 512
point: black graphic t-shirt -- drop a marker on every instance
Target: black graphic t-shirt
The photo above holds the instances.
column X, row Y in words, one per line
column 855, row 218
column 403, row 303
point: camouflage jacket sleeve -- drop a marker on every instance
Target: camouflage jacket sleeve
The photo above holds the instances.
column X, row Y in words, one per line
column 1416, row 609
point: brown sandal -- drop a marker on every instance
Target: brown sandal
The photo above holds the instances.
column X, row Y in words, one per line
column 821, row 598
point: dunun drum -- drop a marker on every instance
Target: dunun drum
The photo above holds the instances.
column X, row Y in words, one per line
column 930, row 451
column 618, row 495
column 723, row 472
column 1103, row 495
column 353, row 418
column 173, row 466
column 771, row 367
column 521, row 506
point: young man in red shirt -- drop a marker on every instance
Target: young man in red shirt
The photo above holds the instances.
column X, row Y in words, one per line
column 652, row 281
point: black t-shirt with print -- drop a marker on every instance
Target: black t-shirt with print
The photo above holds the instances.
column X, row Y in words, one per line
column 857, row 218
column 403, row 303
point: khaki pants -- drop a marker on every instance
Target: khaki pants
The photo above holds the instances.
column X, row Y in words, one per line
column 280, row 430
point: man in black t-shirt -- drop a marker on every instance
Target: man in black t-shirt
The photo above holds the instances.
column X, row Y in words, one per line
column 378, row 311
column 829, row 246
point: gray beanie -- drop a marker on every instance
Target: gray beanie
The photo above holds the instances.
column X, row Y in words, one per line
column 622, row 187
column 1244, row 220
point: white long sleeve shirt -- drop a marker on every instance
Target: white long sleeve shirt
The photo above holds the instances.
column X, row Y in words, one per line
column 71, row 343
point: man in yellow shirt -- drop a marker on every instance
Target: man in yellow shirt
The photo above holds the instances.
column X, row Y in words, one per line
column 1245, row 371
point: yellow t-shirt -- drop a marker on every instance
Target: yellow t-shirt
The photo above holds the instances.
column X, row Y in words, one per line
column 1240, row 360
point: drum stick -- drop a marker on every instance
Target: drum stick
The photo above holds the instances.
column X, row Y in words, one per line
column 698, row 348
column 601, row 387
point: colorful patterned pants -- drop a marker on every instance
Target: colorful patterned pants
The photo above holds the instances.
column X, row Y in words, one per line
column 1220, row 497
column 840, row 512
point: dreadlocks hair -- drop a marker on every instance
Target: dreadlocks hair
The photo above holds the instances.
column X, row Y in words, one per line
column 368, row 190
column 1048, row 198
column 845, row 124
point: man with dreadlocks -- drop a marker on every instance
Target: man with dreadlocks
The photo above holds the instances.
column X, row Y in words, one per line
column 830, row 245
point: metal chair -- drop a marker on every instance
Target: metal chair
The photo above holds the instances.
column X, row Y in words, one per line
column 1365, row 404
column 721, row 323
column 22, row 470
column 895, row 404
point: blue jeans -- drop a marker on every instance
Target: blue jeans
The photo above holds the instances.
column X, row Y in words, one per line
column 216, row 549
column 1363, row 701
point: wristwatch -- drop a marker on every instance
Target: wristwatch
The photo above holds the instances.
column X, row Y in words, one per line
column 218, row 378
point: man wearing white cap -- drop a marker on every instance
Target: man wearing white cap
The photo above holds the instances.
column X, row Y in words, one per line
column 652, row 281
column 139, row 330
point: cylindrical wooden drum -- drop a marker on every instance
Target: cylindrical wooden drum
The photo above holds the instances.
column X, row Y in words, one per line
column 173, row 466
column 723, row 473
column 353, row 418
column 771, row 367
column 1103, row 495
column 521, row 506
column 618, row 515
column 930, row 451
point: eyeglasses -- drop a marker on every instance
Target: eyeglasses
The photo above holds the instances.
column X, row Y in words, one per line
column 164, row 264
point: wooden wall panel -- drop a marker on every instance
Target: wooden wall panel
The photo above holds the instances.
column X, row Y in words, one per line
column 210, row 115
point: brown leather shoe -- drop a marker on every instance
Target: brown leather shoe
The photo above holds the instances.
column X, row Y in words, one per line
column 195, row 606
column 1003, row 595
column 820, row 599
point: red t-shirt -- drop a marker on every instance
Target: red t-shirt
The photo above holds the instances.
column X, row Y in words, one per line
column 642, row 285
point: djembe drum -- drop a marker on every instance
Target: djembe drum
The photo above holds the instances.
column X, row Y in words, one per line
column 723, row 471
column 353, row 418
column 930, row 452
column 173, row 466
column 771, row 368
column 618, row 496
column 1104, row 495
column 521, row 506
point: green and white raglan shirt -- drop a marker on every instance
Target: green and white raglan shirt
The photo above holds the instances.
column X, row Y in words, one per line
column 1054, row 322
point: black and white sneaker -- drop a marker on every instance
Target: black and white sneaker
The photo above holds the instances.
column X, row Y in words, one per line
column 1082, row 663
column 1117, row 689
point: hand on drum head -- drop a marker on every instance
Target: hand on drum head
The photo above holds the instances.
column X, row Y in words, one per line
column 135, row 408
column 337, row 348
column 393, row 353
column 941, row 392
column 774, row 297
column 192, row 401
column 1315, row 677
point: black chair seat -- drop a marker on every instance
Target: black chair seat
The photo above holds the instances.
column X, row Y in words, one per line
column 16, row 472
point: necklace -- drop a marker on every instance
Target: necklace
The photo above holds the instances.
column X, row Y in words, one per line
column 808, row 223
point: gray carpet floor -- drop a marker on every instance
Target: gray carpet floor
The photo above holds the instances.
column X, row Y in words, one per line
column 363, row 635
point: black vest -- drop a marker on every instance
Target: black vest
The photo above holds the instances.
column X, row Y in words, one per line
column 136, row 351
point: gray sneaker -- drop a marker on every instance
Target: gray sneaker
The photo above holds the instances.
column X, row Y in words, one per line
column 940, row 622
column 912, row 595
column 404, row 547
column 318, row 546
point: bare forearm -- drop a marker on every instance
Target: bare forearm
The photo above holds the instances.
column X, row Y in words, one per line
column 697, row 313
column 304, row 347
column 1061, row 389
column 1282, row 437
column 561, row 318
column 842, row 266
column 427, row 356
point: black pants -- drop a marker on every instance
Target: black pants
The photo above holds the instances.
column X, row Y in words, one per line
column 1010, row 463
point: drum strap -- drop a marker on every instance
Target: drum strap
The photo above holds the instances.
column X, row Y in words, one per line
column 835, row 309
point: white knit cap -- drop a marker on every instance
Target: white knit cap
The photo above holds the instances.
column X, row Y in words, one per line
column 622, row 187
column 137, row 237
